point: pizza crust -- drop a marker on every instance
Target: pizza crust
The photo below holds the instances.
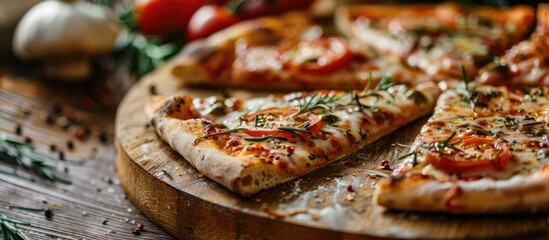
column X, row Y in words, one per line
column 521, row 193
column 208, row 61
column 179, row 125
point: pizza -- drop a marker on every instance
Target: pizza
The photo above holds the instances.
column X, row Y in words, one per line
column 437, row 39
column 484, row 150
column 287, row 52
column 251, row 145
column 525, row 64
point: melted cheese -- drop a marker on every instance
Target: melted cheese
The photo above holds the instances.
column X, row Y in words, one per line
column 352, row 125
column 519, row 119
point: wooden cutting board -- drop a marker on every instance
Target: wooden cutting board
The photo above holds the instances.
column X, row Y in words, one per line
column 174, row 195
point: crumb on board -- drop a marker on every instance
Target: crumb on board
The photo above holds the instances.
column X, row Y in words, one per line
column 265, row 207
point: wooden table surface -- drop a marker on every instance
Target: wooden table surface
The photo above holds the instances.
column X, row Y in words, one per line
column 93, row 206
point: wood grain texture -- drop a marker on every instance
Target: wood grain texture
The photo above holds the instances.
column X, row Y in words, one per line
column 81, row 208
column 190, row 206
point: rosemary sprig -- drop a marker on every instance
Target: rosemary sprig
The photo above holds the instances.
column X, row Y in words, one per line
column 265, row 138
column 316, row 101
column 23, row 154
column 219, row 133
column 385, row 83
column 8, row 229
column 467, row 92
column 30, row 209
column 414, row 159
column 440, row 146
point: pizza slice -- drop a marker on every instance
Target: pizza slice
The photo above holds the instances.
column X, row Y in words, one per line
column 251, row 145
column 525, row 64
column 437, row 39
column 286, row 52
column 485, row 150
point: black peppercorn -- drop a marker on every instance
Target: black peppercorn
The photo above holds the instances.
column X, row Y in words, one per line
column 48, row 213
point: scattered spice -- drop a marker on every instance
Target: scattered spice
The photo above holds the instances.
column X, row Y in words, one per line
column 265, row 207
column 61, row 156
column 314, row 217
column 349, row 197
column 350, row 188
column 166, row 172
column 70, row 145
column 53, row 147
column 136, row 232
column 50, row 120
column 57, row 108
column 385, row 165
column 27, row 139
column 152, row 90
column 349, row 162
column 80, row 133
column 141, row 226
column 48, row 213
column 63, row 122
column 18, row 129
column 105, row 221
column 103, row 137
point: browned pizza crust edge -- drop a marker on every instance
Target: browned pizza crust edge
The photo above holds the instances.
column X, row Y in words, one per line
column 521, row 193
column 243, row 178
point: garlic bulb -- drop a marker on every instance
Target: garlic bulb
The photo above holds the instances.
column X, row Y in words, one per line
column 65, row 34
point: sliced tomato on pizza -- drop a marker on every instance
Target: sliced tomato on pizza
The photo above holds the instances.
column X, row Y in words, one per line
column 437, row 39
column 287, row 52
column 526, row 63
column 485, row 150
column 251, row 145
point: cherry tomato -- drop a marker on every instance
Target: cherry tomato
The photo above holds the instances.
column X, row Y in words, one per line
column 476, row 153
column 320, row 55
column 165, row 17
column 209, row 19
column 256, row 8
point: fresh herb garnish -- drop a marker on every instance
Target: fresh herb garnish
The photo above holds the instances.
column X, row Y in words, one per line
column 219, row 133
column 441, row 147
column 325, row 103
column 265, row 138
column 8, row 229
column 23, row 154
column 414, row 159
column 385, row 83
column 467, row 91
column 316, row 101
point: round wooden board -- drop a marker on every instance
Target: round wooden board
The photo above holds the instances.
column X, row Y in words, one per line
column 190, row 206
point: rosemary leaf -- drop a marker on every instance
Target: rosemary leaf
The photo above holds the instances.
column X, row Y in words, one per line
column 21, row 153
column 219, row 133
column 264, row 138
column 9, row 231
column 26, row 208
column 295, row 129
